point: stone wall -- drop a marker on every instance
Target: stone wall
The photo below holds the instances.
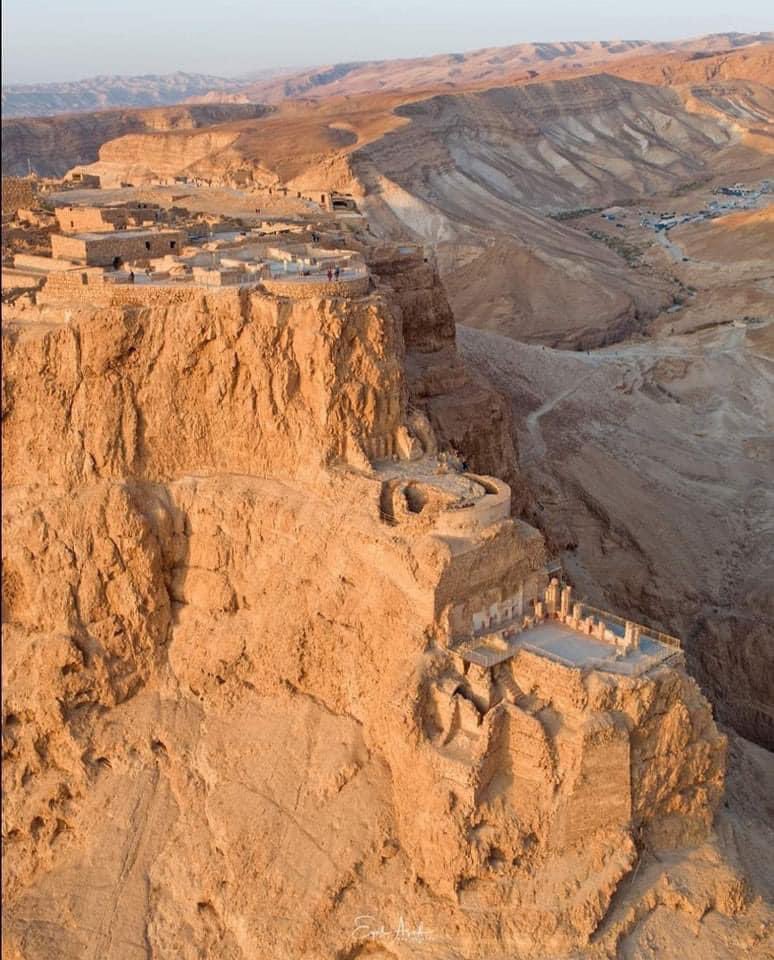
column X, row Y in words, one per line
column 80, row 179
column 32, row 261
column 107, row 294
column 104, row 219
column 552, row 682
column 600, row 793
column 19, row 280
column 85, row 219
column 102, row 250
column 17, row 192
column 464, row 521
column 492, row 570
column 308, row 290
column 69, row 287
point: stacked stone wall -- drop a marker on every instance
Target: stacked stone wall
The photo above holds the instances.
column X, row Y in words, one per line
column 490, row 509
column 87, row 219
column 70, row 287
column 310, row 289
column 17, row 192
column 550, row 681
column 601, row 796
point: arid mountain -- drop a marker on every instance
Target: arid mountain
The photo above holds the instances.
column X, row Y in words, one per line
column 50, row 146
column 479, row 174
column 755, row 63
column 478, row 68
column 380, row 88
column 109, row 92
column 492, row 66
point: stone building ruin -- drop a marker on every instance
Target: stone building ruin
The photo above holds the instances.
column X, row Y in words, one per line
column 108, row 248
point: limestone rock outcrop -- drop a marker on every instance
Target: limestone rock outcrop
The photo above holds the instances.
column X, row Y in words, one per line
column 205, row 382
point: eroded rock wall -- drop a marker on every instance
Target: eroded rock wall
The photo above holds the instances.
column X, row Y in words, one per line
column 465, row 412
column 215, row 382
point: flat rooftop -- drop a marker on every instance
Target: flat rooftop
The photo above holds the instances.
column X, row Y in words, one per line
column 110, row 235
column 562, row 644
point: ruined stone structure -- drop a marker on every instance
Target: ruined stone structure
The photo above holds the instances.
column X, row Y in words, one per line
column 84, row 219
column 540, row 617
column 82, row 179
column 17, row 192
column 338, row 202
column 102, row 249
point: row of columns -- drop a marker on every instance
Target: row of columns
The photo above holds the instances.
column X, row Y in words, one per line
column 557, row 604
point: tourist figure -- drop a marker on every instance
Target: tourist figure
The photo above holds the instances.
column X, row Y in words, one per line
column 131, row 276
column 330, row 274
column 338, row 273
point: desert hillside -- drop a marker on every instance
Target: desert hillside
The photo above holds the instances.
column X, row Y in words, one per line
column 656, row 483
column 105, row 93
column 479, row 175
column 50, row 146
column 495, row 66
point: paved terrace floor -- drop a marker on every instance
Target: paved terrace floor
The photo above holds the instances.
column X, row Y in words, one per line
column 564, row 645
column 348, row 274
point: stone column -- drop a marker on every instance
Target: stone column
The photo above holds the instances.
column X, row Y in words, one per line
column 564, row 602
column 552, row 597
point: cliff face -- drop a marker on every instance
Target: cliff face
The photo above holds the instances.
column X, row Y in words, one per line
column 233, row 727
column 163, row 154
column 464, row 411
column 216, row 382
